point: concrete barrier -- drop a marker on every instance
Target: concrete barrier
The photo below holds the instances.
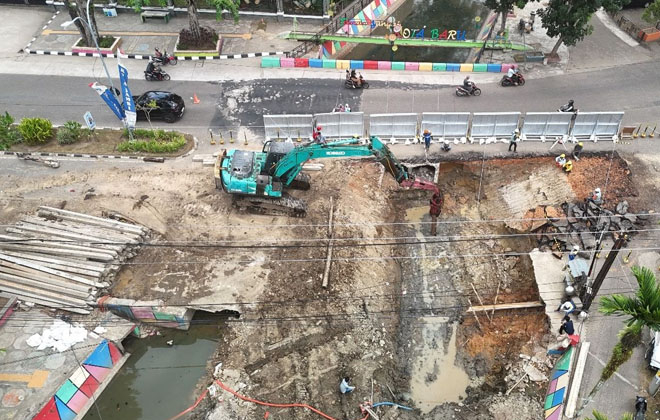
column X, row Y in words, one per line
column 477, row 67
column 425, row 66
column 411, row 66
column 384, row 65
column 287, row 62
column 439, row 66
column 398, row 65
column 466, row 67
column 453, row 67
column 329, row 64
column 269, row 62
column 370, row 65
column 316, row 63
column 357, row 64
column 343, row 64
column 301, row 62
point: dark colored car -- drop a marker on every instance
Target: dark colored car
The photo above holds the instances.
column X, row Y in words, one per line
column 160, row 105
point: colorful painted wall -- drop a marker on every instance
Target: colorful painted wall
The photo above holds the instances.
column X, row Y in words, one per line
column 377, row 9
column 75, row 393
column 558, row 388
column 151, row 312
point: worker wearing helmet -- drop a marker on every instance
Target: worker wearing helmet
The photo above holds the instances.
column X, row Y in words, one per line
column 568, row 166
column 318, row 136
column 561, row 160
column 597, row 197
column 577, row 150
column 427, row 139
column 515, row 138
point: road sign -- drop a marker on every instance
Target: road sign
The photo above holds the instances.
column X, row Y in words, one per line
column 89, row 120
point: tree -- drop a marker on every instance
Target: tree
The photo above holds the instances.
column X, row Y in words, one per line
column 503, row 6
column 652, row 12
column 78, row 8
column 642, row 310
column 569, row 19
column 600, row 416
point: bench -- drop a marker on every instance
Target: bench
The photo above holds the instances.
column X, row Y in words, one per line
column 155, row 14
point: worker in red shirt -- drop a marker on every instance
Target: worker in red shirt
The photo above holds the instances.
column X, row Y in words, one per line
column 436, row 208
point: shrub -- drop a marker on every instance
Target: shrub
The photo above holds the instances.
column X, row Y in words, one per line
column 152, row 141
column 8, row 133
column 69, row 133
column 35, row 130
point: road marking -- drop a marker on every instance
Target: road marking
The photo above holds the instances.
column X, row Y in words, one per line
column 617, row 374
column 119, row 33
column 36, row 380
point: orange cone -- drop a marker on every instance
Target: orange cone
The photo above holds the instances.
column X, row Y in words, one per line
column 195, row 98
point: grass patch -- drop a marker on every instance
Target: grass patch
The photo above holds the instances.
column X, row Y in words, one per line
column 152, row 141
column 104, row 42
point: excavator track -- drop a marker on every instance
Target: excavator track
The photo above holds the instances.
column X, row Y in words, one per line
column 284, row 206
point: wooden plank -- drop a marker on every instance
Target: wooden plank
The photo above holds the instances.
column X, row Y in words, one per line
column 40, row 294
column 51, row 271
column 30, row 238
column 64, row 290
column 57, row 251
column 61, row 267
column 49, row 304
column 44, row 278
column 502, row 306
column 107, row 235
column 111, row 249
column 328, row 258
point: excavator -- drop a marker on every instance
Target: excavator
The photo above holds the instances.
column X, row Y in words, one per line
column 258, row 179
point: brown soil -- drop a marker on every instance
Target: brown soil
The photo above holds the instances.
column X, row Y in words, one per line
column 102, row 142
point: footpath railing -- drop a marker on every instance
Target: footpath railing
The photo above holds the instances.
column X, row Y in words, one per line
column 455, row 127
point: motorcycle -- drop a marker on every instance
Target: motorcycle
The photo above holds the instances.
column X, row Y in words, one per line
column 640, row 408
column 350, row 84
column 157, row 75
column 516, row 80
column 462, row 91
column 567, row 108
column 165, row 58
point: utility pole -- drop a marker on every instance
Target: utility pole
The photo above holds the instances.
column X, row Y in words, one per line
column 592, row 290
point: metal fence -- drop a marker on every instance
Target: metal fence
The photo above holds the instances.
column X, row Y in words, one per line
column 341, row 124
column 288, row 126
column 493, row 124
column 446, row 125
column 395, row 126
column 542, row 125
column 597, row 125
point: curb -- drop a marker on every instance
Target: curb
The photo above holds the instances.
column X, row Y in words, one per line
column 148, row 57
column 74, row 155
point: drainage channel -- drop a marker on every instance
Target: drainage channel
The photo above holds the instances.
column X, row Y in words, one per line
column 159, row 380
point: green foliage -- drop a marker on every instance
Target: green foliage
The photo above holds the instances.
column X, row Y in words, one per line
column 69, row 133
column 137, row 5
column 8, row 133
column 152, row 141
column 35, row 130
column 569, row 19
column 629, row 338
column 652, row 12
column 229, row 5
column 600, row 416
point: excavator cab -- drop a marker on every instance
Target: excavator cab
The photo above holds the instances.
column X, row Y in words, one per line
column 275, row 150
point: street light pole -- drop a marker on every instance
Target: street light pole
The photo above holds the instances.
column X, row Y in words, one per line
column 96, row 42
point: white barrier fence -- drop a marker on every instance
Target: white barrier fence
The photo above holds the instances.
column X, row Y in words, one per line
column 597, row 125
column 341, row 124
column 482, row 127
column 446, row 125
column 546, row 125
column 393, row 126
column 288, row 126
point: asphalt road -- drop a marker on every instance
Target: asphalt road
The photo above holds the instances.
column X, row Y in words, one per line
column 228, row 105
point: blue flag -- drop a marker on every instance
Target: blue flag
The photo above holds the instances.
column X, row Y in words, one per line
column 129, row 104
column 109, row 99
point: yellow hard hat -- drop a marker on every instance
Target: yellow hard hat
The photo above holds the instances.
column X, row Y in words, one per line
column 562, row 155
column 580, row 144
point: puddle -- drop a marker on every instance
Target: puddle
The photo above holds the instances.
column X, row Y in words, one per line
column 158, row 381
column 437, row 379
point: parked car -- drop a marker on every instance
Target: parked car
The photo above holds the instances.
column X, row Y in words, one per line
column 160, row 105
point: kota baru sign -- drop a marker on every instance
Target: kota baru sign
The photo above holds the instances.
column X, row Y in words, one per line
column 400, row 32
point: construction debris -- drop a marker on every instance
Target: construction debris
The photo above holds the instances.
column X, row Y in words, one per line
column 61, row 259
column 581, row 224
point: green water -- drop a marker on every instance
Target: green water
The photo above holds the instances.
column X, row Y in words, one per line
column 440, row 14
column 158, row 381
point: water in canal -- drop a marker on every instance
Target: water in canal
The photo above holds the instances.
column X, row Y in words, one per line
column 158, row 381
column 434, row 14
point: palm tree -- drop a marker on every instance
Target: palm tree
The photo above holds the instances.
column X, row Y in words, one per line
column 600, row 416
column 642, row 310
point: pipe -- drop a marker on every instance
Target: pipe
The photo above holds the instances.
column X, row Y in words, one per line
column 403, row 407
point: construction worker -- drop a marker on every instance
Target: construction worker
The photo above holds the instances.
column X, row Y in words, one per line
column 345, row 387
column 427, row 139
column 597, row 197
column 574, row 252
column 577, row 150
column 561, row 160
column 434, row 211
column 568, row 166
column 318, row 136
column 515, row 138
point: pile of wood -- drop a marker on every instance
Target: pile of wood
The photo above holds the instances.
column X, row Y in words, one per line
column 61, row 259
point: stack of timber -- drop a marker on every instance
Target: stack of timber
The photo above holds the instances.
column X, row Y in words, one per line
column 61, row 259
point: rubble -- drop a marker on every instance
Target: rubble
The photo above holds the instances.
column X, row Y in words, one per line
column 580, row 224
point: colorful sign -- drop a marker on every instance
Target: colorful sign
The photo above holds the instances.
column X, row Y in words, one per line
column 129, row 105
column 406, row 33
column 554, row 399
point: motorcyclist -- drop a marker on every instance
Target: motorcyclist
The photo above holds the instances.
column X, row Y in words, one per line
column 569, row 107
column 514, row 75
column 468, row 84
column 157, row 53
column 153, row 68
column 356, row 80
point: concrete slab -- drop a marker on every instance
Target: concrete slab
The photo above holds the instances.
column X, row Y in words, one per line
column 549, row 273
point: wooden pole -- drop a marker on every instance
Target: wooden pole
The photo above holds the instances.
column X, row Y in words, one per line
column 328, row 259
column 497, row 294
column 475, row 315
column 481, row 302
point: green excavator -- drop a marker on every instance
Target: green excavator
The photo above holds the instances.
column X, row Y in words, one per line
column 258, row 179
